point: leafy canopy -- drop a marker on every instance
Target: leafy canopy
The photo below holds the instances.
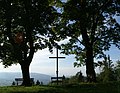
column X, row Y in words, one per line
column 89, row 23
column 31, row 18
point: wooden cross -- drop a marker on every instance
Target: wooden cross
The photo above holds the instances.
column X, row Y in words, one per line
column 57, row 57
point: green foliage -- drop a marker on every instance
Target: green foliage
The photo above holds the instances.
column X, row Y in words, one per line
column 73, row 80
column 25, row 27
column 108, row 72
column 117, row 70
column 33, row 18
column 91, row 29
column 96, row 20
column 78, row 78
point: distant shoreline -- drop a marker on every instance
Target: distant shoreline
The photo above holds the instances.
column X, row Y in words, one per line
column 7, row 78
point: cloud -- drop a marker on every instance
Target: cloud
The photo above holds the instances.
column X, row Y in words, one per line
column 42, row 64
column 13, row 68
column 67, row 71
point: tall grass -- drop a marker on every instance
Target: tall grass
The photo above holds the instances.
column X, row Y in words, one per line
column 70, row 88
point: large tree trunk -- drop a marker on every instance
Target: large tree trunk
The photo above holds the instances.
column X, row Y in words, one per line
column 25, row 74
column 29, row 39
column 25, row 64
column 88, row 43
column 91, row 76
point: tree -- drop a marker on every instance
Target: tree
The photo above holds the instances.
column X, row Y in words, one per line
column 117, row 70
column 25, row 27
column 108, row 73
column 91, row 27
column 80, row 77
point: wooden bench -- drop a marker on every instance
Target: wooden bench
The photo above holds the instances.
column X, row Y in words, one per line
column 18, row 80
column 60, row 79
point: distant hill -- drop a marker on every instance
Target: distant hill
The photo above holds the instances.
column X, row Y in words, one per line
column 6, row 78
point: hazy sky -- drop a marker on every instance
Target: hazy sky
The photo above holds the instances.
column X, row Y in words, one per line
column 42, row 64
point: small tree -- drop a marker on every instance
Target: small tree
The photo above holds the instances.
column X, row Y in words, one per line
column 107, row 73
column 117, row 70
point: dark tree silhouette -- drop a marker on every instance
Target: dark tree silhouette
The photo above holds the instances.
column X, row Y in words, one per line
column 91, row 27
column 37, row 82
column 107, row 74
column 25, row 27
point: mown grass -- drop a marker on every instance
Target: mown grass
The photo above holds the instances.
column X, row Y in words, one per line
column 71, row 88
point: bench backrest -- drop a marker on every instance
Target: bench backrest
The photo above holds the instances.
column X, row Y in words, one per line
column 18, row 79
column 56, row 77
column 21, row 79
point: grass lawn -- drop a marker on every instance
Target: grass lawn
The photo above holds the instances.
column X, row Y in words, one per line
column 81, row 88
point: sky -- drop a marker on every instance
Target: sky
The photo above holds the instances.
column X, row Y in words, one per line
column 42, row 64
